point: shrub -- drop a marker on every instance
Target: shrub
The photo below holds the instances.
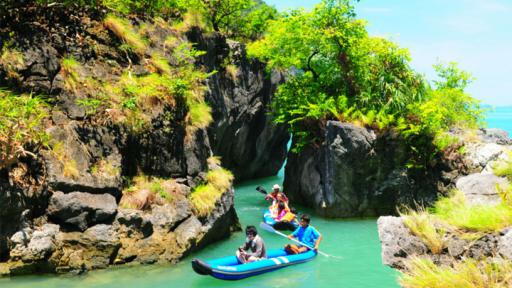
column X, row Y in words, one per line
column 22, row 121
column 468, row 273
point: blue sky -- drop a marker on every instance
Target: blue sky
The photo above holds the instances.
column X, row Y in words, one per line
column 475, row 33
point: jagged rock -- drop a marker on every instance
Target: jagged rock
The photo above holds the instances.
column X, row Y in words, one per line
column 189, row 233
column 397, row 241
column 481, row 188
column 134, row 221
column 493, row 135
column 356, row 173
column 79, row 210
column 480, row 155
column 92, row 158
column 483, row 247
column 167, row 217
column 93, row 249
column 457, row 247
column 505, row 244
column 242, row 134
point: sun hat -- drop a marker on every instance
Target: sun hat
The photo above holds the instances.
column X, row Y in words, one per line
column 276, row 186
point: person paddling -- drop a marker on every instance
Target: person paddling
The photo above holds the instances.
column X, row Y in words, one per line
column 305, row 234
column 253, row 248
column 276, row 195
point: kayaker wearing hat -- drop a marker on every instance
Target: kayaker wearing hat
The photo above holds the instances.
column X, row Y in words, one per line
column 276, row 195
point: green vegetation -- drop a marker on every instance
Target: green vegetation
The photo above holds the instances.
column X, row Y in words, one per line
column 105, row 167
column 204, row 196
column 145, row 191
column 340, row 72
column 22, row 121
column 70, row 72
column 455, row 211
column 469, row 273
column 504, row 168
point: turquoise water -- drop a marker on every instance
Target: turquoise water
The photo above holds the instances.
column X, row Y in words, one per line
column 500, row 117
column 356, row 240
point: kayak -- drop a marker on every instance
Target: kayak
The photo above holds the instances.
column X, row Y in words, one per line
column 267, row 218
column 229, row 268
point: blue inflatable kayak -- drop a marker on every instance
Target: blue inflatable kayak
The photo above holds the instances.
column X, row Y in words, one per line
column 267, row 218
column 228, row 268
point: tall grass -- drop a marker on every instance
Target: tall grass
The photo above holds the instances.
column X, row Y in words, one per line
column 423, row 225
column 126, row 32
column 199, row 116
column 204, row 196
column 469, row 273
column 478, row 217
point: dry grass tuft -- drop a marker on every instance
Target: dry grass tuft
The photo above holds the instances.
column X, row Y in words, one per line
column 147, row 191
column 427, row 228
column 126, row 32
column 469, row 273
column 232, row 71
column 204, row 197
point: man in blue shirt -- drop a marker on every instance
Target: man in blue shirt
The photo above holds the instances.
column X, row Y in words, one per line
column 305, row 234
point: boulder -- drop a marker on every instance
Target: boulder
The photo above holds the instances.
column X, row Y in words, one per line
column 167, row 217
column 397, row 242
column 481, row 188
column 93, row 249
column 79, row 210
column 480, row 155
column 189, row 233
column 494, row 135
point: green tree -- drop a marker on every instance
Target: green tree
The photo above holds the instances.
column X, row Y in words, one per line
column 452, row 77
column 222, row 13
column 334, row 62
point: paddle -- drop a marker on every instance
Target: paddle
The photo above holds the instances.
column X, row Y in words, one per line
column 271, row 229
column 261, row 190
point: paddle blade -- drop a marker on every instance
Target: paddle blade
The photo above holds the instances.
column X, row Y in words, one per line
column 261, row 190
column 267, row 227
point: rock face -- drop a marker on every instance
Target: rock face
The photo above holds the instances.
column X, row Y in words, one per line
column 481, row 188
column 397, row 241
column 61, row 213
column 243, row 135
column 79, row 210
column 355, row 173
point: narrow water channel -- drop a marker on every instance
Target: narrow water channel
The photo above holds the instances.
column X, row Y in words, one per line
column 355, row 240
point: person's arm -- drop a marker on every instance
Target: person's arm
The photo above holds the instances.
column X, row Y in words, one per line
column 294, row 234
column 245, row 246
column 317, row 242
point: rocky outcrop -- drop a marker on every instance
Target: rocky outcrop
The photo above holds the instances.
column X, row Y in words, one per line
column 243, row 134
column 481, row 188
column 356, row 172
column 398, row 244
column 78, row 210
column 62, row 214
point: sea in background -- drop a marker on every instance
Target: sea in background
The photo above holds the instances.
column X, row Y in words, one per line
column 500, row 117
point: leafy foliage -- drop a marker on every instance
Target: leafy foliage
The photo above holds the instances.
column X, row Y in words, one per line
column 340, row 72
column 22, row 121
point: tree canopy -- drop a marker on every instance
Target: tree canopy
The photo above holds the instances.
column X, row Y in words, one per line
column 336, row 70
